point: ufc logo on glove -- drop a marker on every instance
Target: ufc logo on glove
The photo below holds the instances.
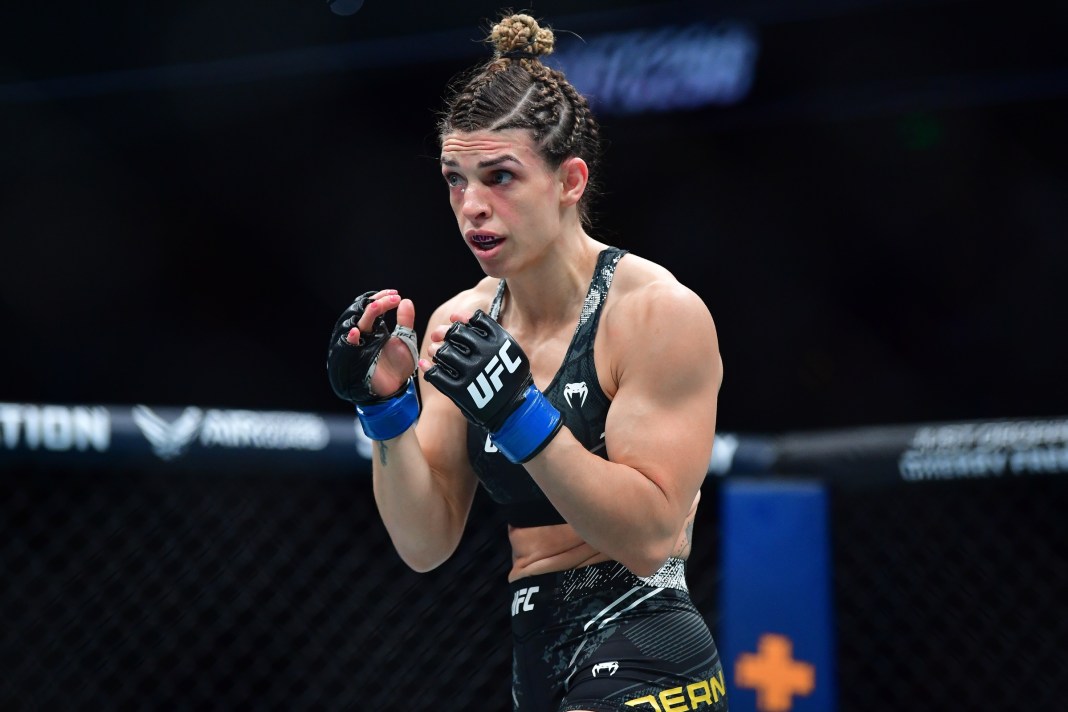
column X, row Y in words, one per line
column 486, row 374
column 489, row 388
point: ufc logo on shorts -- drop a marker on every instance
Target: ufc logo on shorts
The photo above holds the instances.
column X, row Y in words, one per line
column 522, row 599
column 489, row 387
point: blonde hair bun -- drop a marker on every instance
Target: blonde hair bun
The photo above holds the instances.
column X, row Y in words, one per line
column 521, row 33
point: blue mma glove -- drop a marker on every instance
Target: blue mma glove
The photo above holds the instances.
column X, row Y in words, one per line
column 487, row 376
column 350, row 368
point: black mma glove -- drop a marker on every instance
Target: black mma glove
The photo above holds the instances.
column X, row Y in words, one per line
column 351, row 366
column 487, row 375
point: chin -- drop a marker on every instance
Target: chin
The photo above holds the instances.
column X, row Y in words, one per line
column 492, row 265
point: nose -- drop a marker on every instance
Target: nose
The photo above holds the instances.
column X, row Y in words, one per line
column 475, row 204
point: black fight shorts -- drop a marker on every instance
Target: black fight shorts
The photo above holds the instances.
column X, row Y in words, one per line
column 600, row 638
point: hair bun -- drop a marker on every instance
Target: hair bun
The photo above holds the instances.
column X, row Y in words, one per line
column 521, row 33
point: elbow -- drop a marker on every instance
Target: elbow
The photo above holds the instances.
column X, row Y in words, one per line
column 649, row 559
column 422, row 563
column 420, row 567
column 645, row 567
column 652, row 548
column 421, row 558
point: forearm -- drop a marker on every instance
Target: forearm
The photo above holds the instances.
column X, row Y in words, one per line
column 615, row 508
column 422, row 513
column 423, row 495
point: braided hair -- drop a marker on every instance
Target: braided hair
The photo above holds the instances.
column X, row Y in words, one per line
column 514, row 90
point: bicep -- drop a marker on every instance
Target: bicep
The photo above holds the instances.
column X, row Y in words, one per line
column 663, row 417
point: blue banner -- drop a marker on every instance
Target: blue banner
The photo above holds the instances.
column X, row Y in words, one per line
column 776, row 634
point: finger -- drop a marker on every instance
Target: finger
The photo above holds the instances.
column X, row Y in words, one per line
column 406, row 313
column 375, row 309
column 353, row 336
column 461, row 316
column 437, row 334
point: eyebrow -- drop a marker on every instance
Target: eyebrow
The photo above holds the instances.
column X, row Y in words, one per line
column 485, row 164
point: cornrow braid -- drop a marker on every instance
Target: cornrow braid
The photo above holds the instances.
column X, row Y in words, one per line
column 515, row 90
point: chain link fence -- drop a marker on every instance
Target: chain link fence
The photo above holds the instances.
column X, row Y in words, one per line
column 222, row 590
column 952, row 596
column 181, row 587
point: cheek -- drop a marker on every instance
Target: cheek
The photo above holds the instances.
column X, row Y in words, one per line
column 456, row 200
column 536, row 213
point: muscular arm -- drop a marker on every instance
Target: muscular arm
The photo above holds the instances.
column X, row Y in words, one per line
column 665, row 359
column 423, row 484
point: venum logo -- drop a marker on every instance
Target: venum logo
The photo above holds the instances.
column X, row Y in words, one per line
column 169, row 440
column 602, row 668
column 487, row 388
column 576, row 389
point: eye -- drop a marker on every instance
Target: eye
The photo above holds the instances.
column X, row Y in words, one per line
column 455, row 180
column 501, row 177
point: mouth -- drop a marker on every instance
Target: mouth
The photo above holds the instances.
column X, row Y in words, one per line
column 484, row 242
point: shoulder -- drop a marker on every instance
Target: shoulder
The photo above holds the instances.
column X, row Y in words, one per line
column 646, row 295
column 655, row 325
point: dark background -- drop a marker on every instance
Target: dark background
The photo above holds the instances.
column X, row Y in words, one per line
column 191, row 192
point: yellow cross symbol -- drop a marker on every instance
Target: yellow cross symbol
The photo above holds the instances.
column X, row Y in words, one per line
column 774, row 674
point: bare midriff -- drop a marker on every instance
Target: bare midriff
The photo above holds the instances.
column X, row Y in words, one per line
column 558, row 547
column 540, row 550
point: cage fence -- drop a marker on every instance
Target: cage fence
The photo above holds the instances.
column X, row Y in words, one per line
column 237, row 582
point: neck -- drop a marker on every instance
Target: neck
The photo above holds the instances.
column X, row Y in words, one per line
column 552, row 291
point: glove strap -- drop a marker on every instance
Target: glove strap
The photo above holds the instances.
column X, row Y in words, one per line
column 408, row 337
column 385, row 421
column 529, row 429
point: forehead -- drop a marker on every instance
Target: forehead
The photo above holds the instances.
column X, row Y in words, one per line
column 481, row 145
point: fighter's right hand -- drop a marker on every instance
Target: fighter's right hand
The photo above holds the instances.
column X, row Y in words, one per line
column 356, row 348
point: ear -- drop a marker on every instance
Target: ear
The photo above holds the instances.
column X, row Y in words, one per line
column 574, row 175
